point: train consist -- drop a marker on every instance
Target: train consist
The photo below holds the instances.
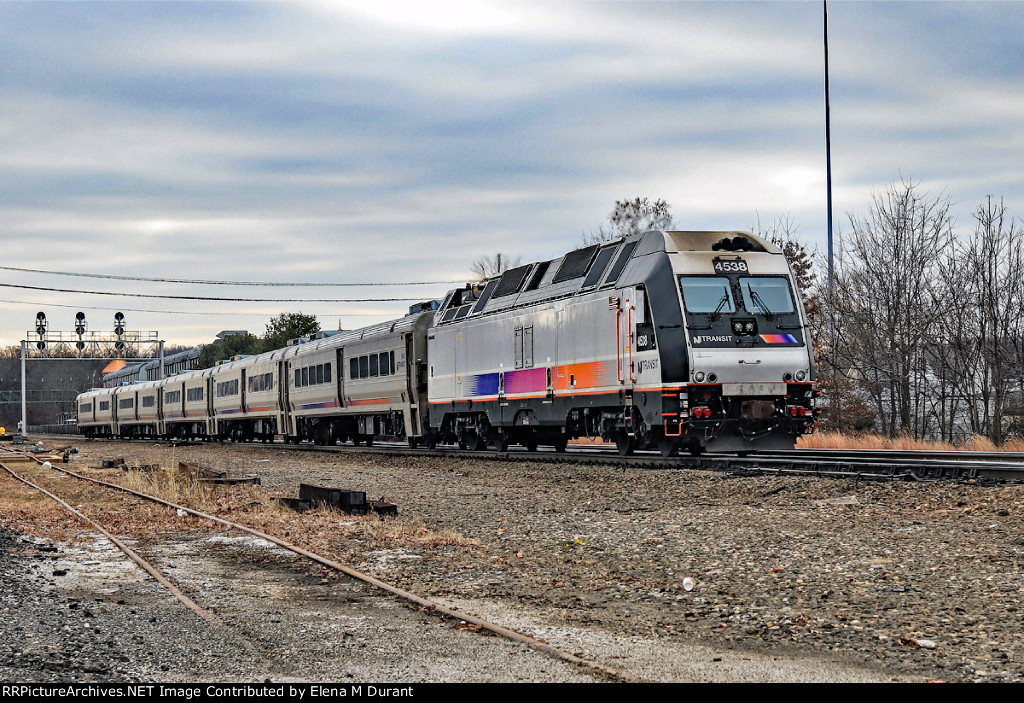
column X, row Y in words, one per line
column 668, row 339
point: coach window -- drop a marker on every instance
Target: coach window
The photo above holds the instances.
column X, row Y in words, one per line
column 353, row 368
column 298, row 377
column 319, row 373
column 327, row 373
column 373, row 365
column 384, row 365
column 364, row 367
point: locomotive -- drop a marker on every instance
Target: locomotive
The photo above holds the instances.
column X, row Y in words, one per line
column 674, row 340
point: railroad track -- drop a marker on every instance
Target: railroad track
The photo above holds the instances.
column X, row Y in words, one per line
column 861, row 464
column 30, row 469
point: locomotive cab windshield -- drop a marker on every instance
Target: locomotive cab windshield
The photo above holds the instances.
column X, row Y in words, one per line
column 740, row 310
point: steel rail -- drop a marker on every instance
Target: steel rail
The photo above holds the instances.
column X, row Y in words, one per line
column 794, row 463
column 129, row 552
column 911, row 454
column 895, row 465
column 425, row 603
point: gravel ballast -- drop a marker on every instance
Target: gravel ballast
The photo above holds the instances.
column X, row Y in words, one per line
column 906, row 581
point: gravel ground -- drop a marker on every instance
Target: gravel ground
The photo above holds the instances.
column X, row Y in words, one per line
column 914, row 581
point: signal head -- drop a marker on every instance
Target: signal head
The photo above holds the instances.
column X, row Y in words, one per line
column 80, row 316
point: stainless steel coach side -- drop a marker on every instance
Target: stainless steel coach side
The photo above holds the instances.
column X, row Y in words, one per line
column 187, row 405
column 92, row 420
column 358, row 384
column 246, row 401
column 137, row 410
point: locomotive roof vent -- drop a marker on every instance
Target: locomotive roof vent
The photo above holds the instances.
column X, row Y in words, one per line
column 732, row 240
column 737, row 243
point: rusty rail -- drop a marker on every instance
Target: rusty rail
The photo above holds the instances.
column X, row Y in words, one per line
column 132, row 554
column 425, row 603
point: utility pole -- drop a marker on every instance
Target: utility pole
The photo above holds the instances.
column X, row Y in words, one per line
column 828, row 153
column 24, row 407
column 832, row 342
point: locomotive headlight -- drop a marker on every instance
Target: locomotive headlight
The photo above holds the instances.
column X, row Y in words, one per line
column 801, row 375
column 749, row 327
column 698, row 377
column 737, row 327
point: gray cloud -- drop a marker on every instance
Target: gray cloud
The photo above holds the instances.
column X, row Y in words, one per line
column 330, row 142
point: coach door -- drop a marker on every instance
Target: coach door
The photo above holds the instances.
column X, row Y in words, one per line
column 284, row 376
column 340, row 376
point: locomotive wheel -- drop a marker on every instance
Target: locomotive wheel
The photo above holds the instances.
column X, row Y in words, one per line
column 369, row 440
column 696, row 449
column 500, row 440
column 561, row 443
column 430, row 441
column 356, row 439
column 667, row 447
column 414, row 442
column 625, row 444
column 531, row 445
column 477, row 442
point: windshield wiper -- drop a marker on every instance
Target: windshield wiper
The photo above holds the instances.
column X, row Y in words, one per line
column 721, row 304
column 760, row 303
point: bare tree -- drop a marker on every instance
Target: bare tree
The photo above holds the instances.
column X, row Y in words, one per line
column 979, row 342
column 887, row 299
column 631, row 217
column 487, row 266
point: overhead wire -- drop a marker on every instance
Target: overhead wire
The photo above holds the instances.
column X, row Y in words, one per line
column 182, row 312
column 213, row 298
column 207, row 282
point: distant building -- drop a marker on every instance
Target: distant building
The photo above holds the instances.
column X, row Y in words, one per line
column 228, row 333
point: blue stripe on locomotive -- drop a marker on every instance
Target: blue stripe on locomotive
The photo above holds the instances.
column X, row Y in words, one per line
column 484, row 384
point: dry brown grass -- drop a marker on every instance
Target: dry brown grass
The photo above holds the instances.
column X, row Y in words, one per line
column 256, row 507
column 27, row 510
column 588, row 441
column 836, row 440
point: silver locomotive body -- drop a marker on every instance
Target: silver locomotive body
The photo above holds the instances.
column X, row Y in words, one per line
column 675, row 340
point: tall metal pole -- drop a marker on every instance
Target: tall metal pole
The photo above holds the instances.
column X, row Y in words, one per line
column 24, row 407
column 160, row 371
column 828, row 154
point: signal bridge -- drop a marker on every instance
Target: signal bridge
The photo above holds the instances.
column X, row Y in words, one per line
column 130, row 344
column 120, row 343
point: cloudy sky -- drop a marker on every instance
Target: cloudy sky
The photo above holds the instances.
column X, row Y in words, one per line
column 377, row 141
